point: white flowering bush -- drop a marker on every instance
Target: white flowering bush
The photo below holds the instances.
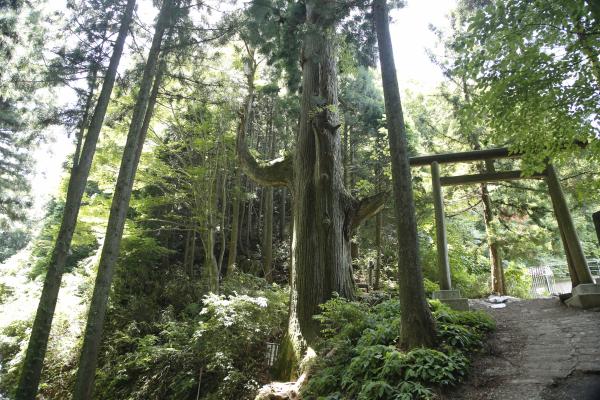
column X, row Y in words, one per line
column 219, row 351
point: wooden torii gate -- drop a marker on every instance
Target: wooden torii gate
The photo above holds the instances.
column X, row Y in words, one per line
column 585, row 293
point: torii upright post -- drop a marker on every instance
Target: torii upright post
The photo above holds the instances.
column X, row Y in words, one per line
column 586, row 294
column 596, row 218
column 440, row 228
column 446, row 294
column 565, row 221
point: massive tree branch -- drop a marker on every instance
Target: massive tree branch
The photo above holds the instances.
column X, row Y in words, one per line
column 277, row 172
column 365, row 208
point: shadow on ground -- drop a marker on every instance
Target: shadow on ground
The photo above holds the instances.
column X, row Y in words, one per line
column 577, row 386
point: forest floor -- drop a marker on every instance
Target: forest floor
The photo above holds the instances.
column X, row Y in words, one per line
column 541, row 350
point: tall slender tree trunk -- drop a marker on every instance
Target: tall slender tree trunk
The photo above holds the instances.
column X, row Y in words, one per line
column 38, row 342
column 497, row 272
column 378, row 224
column 596, row 219
column 83, row 125
column 345, row 155
column 235, row 222
column 210, row 269
column 192, row 253
column 223, row 220
column 242, row 232
column 249, row 219
column 268, row 214
column 186, row 251
column 282, row 214
column 138, row 127
column 417, row 325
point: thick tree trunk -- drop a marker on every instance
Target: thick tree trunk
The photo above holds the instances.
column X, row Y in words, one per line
column 324, row 214
column 38, row 342
column 417, row 325
column 321, row 238
column 138, row 127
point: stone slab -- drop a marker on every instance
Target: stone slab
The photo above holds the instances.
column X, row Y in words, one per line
column 585, row 295
column 461, row 304
column 446, row 294
column 452, row 299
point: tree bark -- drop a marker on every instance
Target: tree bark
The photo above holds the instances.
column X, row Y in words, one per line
column 497, row 272
column 378, row 251
column 83, row 124
column 223, row 220
column 596, row 218
column 417, row 325
column 192, row 253
column 38, row 341
column 138, row 127
column 324, row 214
column 321, row 240
column 210, row 269
column 186, row 251
column 573, row 247
column 345, row 156
column 235, row 222
column 267, row 249
column 282, row 214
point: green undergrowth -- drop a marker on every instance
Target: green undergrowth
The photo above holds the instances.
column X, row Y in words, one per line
column 359, row 358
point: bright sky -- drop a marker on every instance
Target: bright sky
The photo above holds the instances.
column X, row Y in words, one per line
column 411, row 37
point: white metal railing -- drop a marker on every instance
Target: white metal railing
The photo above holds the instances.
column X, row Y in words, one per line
column 542, row 282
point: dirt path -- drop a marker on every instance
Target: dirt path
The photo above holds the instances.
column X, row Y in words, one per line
column 541, row 350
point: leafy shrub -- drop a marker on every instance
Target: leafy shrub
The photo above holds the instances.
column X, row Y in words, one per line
column 221, row 348
column 12, row 339
column 517, row 280
column 360, row 359
column 430, row 286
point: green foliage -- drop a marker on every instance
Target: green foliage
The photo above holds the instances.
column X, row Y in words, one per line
column 12, row 241
column 521, row 55
column 83, row 245
column 222, row 347
column 12, row 339
column 517, row 281
column 359, row 358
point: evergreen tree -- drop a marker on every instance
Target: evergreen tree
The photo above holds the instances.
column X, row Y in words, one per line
column 140, row 120
column 324, row 213
column 417, row 326
column 38, row 342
